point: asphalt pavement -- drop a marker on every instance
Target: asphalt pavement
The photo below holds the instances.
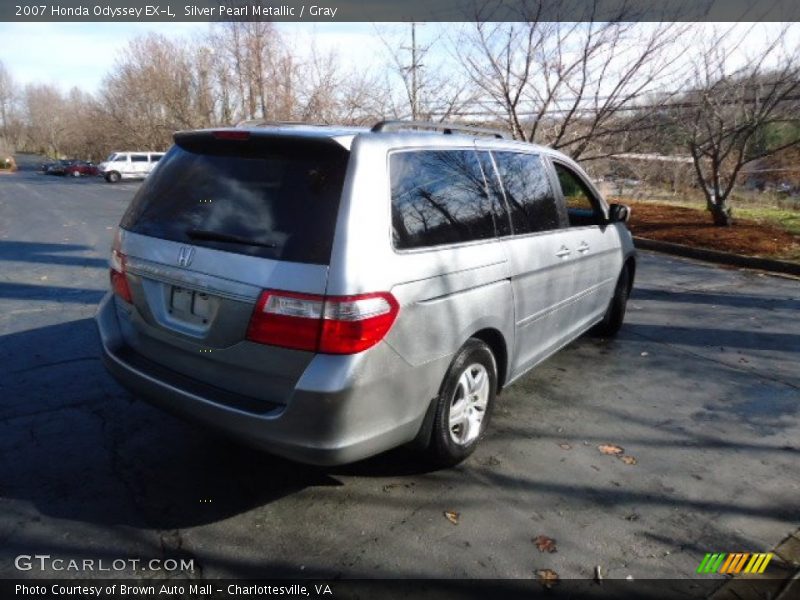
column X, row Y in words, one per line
column 701, row 390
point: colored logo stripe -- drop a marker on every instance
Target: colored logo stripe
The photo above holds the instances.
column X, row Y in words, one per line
column 711, row 563
column 732, row 564
column 758, row 563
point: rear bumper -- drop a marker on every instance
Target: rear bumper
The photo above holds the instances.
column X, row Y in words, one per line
column 343, row 409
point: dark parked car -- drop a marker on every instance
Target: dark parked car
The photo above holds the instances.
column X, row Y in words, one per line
column 80, row 168
column 59, row 167
column 47, row 165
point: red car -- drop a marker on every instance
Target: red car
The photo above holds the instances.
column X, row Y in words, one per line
column 79, row 168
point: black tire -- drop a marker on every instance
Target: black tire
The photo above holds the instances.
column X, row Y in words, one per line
column 112, row 177
column 615, row 313
column 444, row 449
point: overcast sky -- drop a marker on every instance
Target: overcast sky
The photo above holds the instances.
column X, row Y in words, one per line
column 81, row 54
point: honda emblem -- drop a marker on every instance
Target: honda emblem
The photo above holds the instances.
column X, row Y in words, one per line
column 185, row 256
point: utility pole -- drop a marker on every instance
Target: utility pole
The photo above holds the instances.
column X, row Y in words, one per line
column 414, row 109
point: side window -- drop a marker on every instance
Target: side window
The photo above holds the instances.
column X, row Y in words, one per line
column 138, row 157
column 502, row 221
column 121, row 158
column 528, row 193
column 440, row 197
column 155, row 157
column 582, row 207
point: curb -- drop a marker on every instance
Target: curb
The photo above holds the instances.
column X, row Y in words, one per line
column 715, row 256
column 781, row 582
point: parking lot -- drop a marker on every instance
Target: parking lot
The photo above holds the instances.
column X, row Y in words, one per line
column 701, row 389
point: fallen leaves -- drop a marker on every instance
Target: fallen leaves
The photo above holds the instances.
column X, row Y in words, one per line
column 452, row 516
column 545, row 544
column 547, row 577
column 618, row 452
column 490, row 461
column 611, row 449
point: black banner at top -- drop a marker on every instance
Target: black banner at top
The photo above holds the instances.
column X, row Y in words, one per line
column 398, row 10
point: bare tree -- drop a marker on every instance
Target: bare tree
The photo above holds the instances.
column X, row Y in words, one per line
column 431, row 90
column 741, row 108
column 364, row 98
column 11, row 124
column 569, row 85
column 45, row 113
column 253, row 70
column 152, row 92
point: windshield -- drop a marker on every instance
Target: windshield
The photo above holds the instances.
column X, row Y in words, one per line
column 274, row 204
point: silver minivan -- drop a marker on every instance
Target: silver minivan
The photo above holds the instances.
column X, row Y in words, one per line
column 329, row 293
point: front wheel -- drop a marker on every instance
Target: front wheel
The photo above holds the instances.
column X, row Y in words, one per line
column 465, row 403
column 615, row 313
column 112, row 177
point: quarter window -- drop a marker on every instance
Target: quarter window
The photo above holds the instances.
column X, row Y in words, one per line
column 528, row 193
column 441, row 197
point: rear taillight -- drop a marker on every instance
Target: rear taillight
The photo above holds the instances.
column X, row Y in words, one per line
column 327, row 324
column 119, row 277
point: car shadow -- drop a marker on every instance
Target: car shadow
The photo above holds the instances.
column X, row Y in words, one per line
column 738, row 300
column 711, row 337
column 77, row 446
column 49, row 253
column 101, row 456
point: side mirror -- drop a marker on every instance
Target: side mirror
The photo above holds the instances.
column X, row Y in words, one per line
column 618, row 213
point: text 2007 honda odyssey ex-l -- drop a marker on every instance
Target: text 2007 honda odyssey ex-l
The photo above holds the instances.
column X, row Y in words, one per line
column 329, row 293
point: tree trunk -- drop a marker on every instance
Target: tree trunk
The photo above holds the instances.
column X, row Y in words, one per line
column 721, row 213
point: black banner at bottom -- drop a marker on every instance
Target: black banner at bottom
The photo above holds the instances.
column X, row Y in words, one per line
column 418, row 589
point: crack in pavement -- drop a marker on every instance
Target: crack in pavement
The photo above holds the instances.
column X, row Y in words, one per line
column 731, row 367
column 45, row 411
column 169, row 539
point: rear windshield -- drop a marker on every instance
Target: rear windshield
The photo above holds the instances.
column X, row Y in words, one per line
column 258, row 198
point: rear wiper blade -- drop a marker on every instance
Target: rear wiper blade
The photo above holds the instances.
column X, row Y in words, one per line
column 215, row 236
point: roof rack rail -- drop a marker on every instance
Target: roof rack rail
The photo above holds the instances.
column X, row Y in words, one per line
column 446, row 128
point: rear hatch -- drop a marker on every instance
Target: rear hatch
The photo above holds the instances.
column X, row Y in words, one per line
column 226, row 215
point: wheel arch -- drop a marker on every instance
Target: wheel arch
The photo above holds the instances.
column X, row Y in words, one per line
column 497, row 344
column 630, row 264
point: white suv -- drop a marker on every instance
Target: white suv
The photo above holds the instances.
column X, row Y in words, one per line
column 129, row 165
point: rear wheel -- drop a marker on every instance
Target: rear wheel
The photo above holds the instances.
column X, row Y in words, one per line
column 615, row 313
column 112, row 177
column 464, row 406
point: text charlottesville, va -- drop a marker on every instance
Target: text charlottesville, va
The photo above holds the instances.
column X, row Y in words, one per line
column 256, row 10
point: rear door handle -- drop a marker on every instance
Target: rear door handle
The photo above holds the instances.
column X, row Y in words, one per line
column 564, row 251
column 584, row 247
